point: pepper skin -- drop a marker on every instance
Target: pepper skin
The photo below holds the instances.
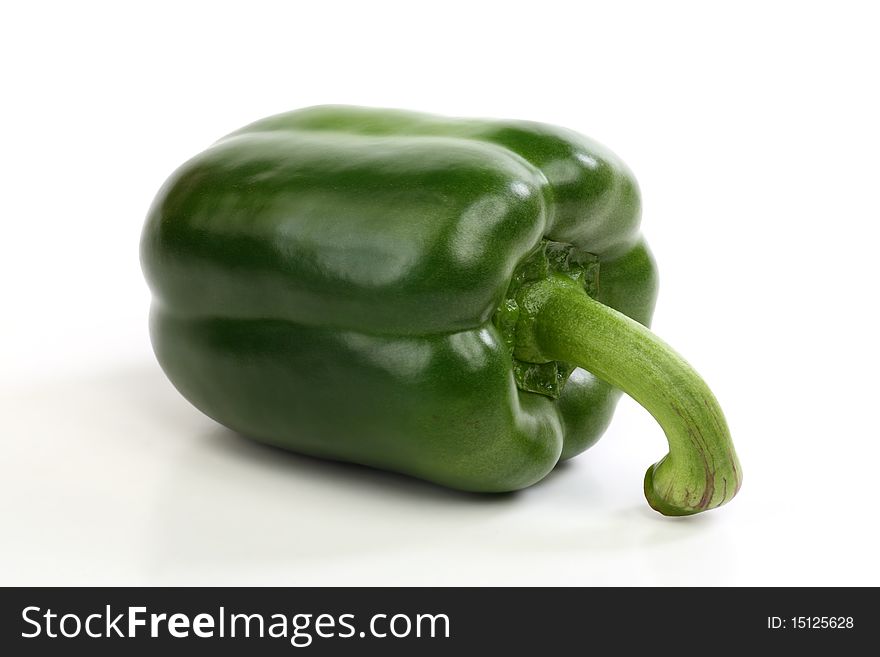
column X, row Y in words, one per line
column 458, row 300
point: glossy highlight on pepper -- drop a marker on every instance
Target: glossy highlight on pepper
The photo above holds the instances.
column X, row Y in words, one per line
column 461, row 300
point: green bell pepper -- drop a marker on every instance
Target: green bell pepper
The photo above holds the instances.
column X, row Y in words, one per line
column 457, row 300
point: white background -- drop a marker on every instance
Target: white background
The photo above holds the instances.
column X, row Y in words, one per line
column 754, row 134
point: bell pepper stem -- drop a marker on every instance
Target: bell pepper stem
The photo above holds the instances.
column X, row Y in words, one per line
column 563, row 323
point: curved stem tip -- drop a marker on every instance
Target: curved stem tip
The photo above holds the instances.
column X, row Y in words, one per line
column 563, row 323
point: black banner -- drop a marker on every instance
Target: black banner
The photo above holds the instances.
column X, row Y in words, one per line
column 277, row 621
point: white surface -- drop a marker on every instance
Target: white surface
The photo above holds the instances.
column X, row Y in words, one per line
column 754, row 135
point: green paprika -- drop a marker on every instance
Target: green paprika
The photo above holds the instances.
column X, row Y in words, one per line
column 458, row 300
